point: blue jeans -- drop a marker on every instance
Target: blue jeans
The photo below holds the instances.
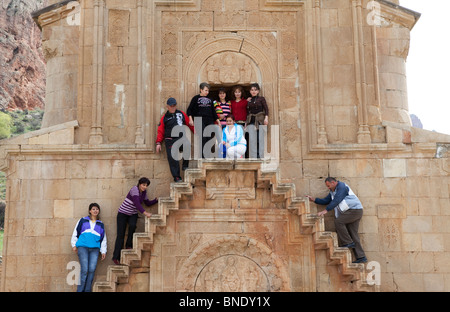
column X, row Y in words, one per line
column 88, row 261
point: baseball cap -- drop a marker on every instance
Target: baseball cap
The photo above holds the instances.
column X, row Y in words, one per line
column 171, row 102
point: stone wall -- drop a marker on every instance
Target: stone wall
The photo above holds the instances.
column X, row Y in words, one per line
column 335, row 86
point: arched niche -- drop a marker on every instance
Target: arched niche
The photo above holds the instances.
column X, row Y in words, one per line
column 212, row 62
column 232, row 263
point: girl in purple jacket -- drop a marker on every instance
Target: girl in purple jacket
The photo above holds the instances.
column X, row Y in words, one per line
column 128, row 214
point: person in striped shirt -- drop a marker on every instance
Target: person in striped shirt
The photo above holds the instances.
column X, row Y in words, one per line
column 128, row 215
column 222, row 107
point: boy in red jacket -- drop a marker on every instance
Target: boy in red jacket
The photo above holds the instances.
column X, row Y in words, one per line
column 172, row 118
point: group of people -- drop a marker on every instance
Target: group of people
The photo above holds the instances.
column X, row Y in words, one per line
column 89, row 236
column 233, row 116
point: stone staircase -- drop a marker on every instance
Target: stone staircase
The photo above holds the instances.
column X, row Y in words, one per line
column 136, row 259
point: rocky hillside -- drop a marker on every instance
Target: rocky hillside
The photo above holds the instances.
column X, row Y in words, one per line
column 22, row 74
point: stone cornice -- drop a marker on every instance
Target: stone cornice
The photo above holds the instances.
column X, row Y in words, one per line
column 53, row 13
column 394, row 13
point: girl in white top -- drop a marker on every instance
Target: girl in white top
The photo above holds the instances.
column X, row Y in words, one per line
column 233, row 138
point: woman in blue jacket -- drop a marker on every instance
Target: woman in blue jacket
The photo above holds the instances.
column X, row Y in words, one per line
column 88, row 240
column 233, row 139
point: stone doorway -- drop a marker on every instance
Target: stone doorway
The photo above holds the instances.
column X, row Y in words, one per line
column 222, row 61
column 223, row 68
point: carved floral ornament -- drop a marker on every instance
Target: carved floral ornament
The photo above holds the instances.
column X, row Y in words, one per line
column 232, row 263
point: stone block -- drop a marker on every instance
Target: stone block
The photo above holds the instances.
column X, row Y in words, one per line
column 83, row 188
column 65, row 136
column 108, row 188
column 342, row 168
column 432, row 242
column 54, row 169
column 41, row 139
column 48, row 245
column 411, row 282
column 442, row 262
column 411, row 242
column 418, row 224
column 418, row 187
column 391, row 211
column 368, row 168
column 54, row 227
column 433, row 282
column 98, row 169
column 31, row 169
column 422, row 262
column 56, row 189
column 63, row 208
column 30, row 266
column 77, row 169
column 315, row 168
column 39, row 208
column 369, row 224
column 429, row 206
column 394, row 168
column 394, row 135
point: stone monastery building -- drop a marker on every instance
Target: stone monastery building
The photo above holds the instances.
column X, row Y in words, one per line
column 333, row 75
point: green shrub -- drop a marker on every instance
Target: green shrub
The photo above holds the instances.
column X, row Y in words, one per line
column 5, row 125
column 22, row 121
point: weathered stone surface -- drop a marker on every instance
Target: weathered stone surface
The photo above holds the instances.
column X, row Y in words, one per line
column 336, row 91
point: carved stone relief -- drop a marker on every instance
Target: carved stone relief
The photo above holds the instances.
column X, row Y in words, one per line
column 232, row 263
column 118, row 32
column 228, row 68
column 391, row 234
column 232, row 273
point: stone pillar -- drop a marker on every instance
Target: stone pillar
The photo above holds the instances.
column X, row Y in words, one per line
column 363, row 135
column 96, row 136
column 140, row 98
column 321, row 130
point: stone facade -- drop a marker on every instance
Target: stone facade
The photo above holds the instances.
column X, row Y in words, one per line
column 333, row 74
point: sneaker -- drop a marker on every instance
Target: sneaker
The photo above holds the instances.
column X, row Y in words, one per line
column 351, row 245
column 116, row 262
column 178, row 179
column 360, row 260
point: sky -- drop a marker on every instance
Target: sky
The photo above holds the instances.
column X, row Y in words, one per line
column 428, row 64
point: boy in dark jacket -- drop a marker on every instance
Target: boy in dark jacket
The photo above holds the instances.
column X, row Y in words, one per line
column 172, row 118
column 202, row 107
